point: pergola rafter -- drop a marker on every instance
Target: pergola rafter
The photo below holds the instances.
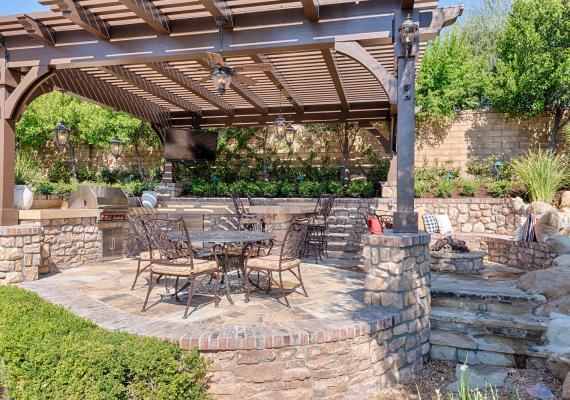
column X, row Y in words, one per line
column 84, row 18
column 336, row 77
column 148, row 12
column 37, row 30
column 219, row 10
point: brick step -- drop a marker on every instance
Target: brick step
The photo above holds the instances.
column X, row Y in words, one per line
column 337, row 235
column 517, row 327
column 336, row 246
column 485, row 349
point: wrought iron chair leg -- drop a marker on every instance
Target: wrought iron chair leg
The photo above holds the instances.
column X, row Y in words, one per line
column 191, row 290
column 137, row 274
column 282, row 289
column 300, row 277
column 247, row 286
column 176, row 289
column 150, row 287
column 217, row 298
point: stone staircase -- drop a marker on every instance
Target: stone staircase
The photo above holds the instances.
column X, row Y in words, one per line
column 483, row 318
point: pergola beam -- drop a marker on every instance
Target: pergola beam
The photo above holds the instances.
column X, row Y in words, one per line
column 149, row 13
column 219, row 10
column 84, row 18
column 279, row 80
column 337, row 79
column 189, row 84
column 311, row 8
column 248, row 95
column 37, row 30
column 138, row 81
column 407, row 4
column 97, row 90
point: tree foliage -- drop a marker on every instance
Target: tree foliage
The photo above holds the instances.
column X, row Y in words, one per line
column 532, row 75
column 92, row 124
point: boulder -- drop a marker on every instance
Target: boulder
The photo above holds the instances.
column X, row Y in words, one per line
column 519, row 206
column 480, row 377
column 565, row 231
column 566, row 388
column 558, row 244
column 562, row 261
column 548, row 225
column 559, row 365
column 558, row 305
column 539, row 208
column 550, row 282
column 565, row 199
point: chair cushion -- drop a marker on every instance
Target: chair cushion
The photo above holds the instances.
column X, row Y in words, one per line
column 444, row 224
column 271, row 263
column 430, row 222
column 181, row 267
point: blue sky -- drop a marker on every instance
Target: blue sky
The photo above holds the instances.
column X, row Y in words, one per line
column 20, row 6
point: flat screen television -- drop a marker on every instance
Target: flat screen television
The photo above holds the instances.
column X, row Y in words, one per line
column 191, row 145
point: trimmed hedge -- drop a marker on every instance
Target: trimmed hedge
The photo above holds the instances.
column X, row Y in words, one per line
column 50, row 353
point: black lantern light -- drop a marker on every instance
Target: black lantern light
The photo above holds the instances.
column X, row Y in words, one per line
column 408, row 31
column 290, row 134
column 116, row 146
column 62, row 131
column 222, row 78
column 280, row 125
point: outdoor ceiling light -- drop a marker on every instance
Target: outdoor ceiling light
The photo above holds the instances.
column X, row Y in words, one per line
column 62, row 134
column 408, row 31
column 116, row 146
column 280, row 127
column 290, row 134
column 222, row 77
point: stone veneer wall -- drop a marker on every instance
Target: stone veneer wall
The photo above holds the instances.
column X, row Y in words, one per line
column 347, row 222
column 528, row 256
column 36, row 247
column 20, row 257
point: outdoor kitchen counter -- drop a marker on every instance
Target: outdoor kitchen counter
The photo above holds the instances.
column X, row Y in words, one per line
column 51, row 213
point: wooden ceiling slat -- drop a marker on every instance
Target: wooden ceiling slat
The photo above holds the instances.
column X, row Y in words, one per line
column 84, row 18
column 148, row 12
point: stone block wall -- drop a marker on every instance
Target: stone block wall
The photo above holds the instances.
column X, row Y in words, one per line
column 69, row 243
column 20, row 257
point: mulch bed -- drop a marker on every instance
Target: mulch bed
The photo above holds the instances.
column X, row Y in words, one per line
column 439, row 374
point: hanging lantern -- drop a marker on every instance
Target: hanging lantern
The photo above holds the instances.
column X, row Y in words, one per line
column 62, row 134
column 280, row 127
column 222, row 78
column 116, row 147
column 290, row 134
column 408, row 31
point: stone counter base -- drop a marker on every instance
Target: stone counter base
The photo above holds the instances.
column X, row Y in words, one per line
column 442, row 261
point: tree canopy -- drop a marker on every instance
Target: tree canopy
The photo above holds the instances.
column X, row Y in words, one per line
column 532, row 75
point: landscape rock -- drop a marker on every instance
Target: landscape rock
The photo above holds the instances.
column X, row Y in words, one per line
column 480, row 377
column 558, row 333
column 519, row 206
column 559, row 365
column 551, row 282
column 540, row 392
column 559, row 244
column 559, row 305
column 566, row 388
column 539, row 208
column 548, row 225
column 565, row 231
column 562, row 261
column 565, row 199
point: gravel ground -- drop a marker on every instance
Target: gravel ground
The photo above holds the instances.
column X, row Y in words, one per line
column 439, row 374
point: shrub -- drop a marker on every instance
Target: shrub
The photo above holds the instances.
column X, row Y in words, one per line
column 287, row 189
column 58, row 171
column 501, row 188
column 335, row 188
column 306, row 189
column 542, row 173
column 360, row 188
column 421, row 188
column 198, row 187
column 267, row 189
column 468, row 187
column 43, row 188
column 443, row 188
column 51, row 354
column 485, row 168
column 86, row 174
column 436, row 170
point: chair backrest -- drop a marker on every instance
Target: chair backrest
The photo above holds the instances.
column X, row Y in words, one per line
column 294, row 238
column 238, row 205
column 169, row 238
column 139, row 231
column 324, row 205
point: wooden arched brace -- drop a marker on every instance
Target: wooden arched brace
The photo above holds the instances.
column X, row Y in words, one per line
column 20, row 96
column 355, row 51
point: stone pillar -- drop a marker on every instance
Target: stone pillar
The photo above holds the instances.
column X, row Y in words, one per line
column 398, row 277
column 20, row 253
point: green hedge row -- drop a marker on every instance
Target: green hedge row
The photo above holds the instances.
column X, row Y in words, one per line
column 49, row 353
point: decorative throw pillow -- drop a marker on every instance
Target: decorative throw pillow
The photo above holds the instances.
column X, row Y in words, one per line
column 444, row 224
column 374, row 225
column 528, row 231
column 430, row 222
column 548, row 225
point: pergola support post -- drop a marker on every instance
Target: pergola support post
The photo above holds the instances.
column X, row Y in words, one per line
column 405, row 218
column 8, row 214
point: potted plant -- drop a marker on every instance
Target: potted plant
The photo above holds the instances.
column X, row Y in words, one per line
column 149, row 197
column 23, row 195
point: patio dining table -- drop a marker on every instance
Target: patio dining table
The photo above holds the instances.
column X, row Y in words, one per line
column 230, row 261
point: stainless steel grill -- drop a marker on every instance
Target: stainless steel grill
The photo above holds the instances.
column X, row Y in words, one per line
column 113, row 207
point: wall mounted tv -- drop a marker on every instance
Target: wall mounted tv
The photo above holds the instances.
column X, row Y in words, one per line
column 191, row 145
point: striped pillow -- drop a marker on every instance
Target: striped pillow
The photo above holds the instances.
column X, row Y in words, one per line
column 430, row 222
column 528, row 230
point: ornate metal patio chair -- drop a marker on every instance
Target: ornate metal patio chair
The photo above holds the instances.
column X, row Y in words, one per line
column 142, row 245
column 316, row 242
column 246, row 220
column 172, row 256
column 286, row 260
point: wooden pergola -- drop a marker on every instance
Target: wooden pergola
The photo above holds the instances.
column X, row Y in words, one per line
column 333, row 61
